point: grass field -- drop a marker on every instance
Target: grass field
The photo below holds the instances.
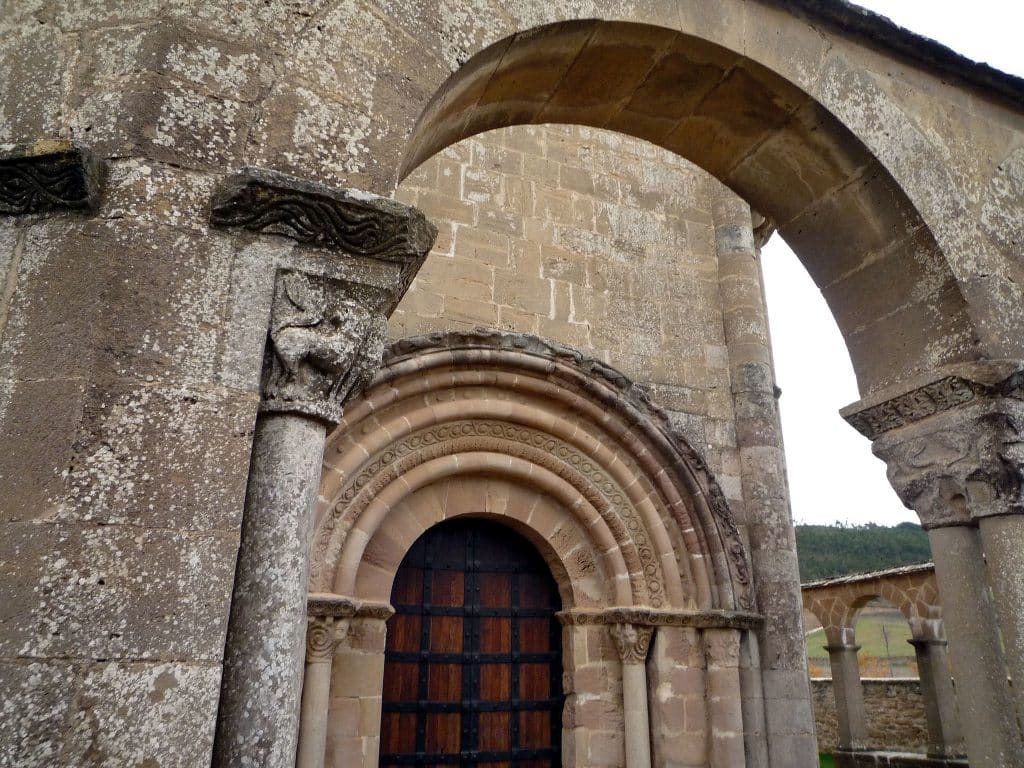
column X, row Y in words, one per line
column 826, row 761
column 875, row 626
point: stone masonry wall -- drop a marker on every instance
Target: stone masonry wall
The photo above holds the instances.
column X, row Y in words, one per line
column 591, row 238
column 895, row 710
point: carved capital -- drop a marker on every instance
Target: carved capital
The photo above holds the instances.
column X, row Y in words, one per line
column 47, row 176
column 632, row 642
column 323, row 635
column 325, row 343
column 966, row 464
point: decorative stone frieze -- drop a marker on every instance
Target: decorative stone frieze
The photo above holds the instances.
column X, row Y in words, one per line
column 965, row 465
column 962, row 384
column 350, row 221
column 648, row 617
column 920, row 403
column 47, row 176
column 325, row 343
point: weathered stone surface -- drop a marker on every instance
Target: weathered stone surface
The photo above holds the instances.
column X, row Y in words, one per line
column 48, row 176
column 116, row 702
column 113, row 592
column 34, row 712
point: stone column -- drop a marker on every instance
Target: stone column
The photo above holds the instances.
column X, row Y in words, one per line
column 1002, row 537
column 327, row 627
column 764, row 512
column 850, row 717
column 944, row 736
column 325, row 339
column 632, row 642
column 986, row 706
column 952, row 448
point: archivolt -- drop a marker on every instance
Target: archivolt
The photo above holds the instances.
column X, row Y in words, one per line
column 542, row 416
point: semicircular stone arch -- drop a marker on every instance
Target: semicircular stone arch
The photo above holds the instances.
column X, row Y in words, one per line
column 832, row 198
column 561, row 447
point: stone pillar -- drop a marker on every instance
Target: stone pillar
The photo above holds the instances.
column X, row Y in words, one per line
column 327, row 627
column 632, row 642
column 986, row 706
column 725, row 705
column 1002, row 537
column 325, row 339
column 764, row 512
column 953, row 450
column 944, row 736
column 850, row 717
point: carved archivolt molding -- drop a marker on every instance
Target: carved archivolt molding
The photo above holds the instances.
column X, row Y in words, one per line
column 48, row 176
column 503, row 438
column 577, row 420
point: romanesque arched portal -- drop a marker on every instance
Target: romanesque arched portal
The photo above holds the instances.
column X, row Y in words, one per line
column 568, row 452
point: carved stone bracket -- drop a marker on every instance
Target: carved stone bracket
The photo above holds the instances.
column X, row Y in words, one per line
column 965, row 464
column 48, row 176
column 632, row 641
column 325, row 344
column 350, row 221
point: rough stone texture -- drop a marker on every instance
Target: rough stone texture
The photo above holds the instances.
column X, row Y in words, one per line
column 257, row 723
column 895, row 714
column 897, row 183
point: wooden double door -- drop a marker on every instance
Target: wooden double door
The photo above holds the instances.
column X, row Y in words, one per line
column 473, row 665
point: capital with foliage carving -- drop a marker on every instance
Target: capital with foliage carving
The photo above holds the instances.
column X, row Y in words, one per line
column 961, row 465
column 323, row 635
column 632, row 642
column 325, row 343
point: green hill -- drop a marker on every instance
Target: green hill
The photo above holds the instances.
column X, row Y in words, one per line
column 826, row 551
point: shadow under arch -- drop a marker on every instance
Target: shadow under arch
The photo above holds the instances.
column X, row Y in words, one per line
column 893, row 294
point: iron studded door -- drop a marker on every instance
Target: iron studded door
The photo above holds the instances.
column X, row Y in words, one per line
column 473, row 666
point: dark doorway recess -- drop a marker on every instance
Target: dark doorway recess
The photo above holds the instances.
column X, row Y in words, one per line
column 473, row 669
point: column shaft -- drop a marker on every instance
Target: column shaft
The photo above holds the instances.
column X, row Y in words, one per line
column 944, row 735
column 1003, row 540
column 636, row 715
column 316, row 692
column 986, row 707
column 257, row 724
column 850, row 716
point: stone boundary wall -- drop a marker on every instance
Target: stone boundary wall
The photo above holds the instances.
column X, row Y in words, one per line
column 895, row 710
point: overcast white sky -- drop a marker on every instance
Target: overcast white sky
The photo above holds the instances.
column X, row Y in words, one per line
column 832, row 474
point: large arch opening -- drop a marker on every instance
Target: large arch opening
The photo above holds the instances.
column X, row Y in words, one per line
column 890, row 288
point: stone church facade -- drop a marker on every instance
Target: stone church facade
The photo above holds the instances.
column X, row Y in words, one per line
column 360, row 407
